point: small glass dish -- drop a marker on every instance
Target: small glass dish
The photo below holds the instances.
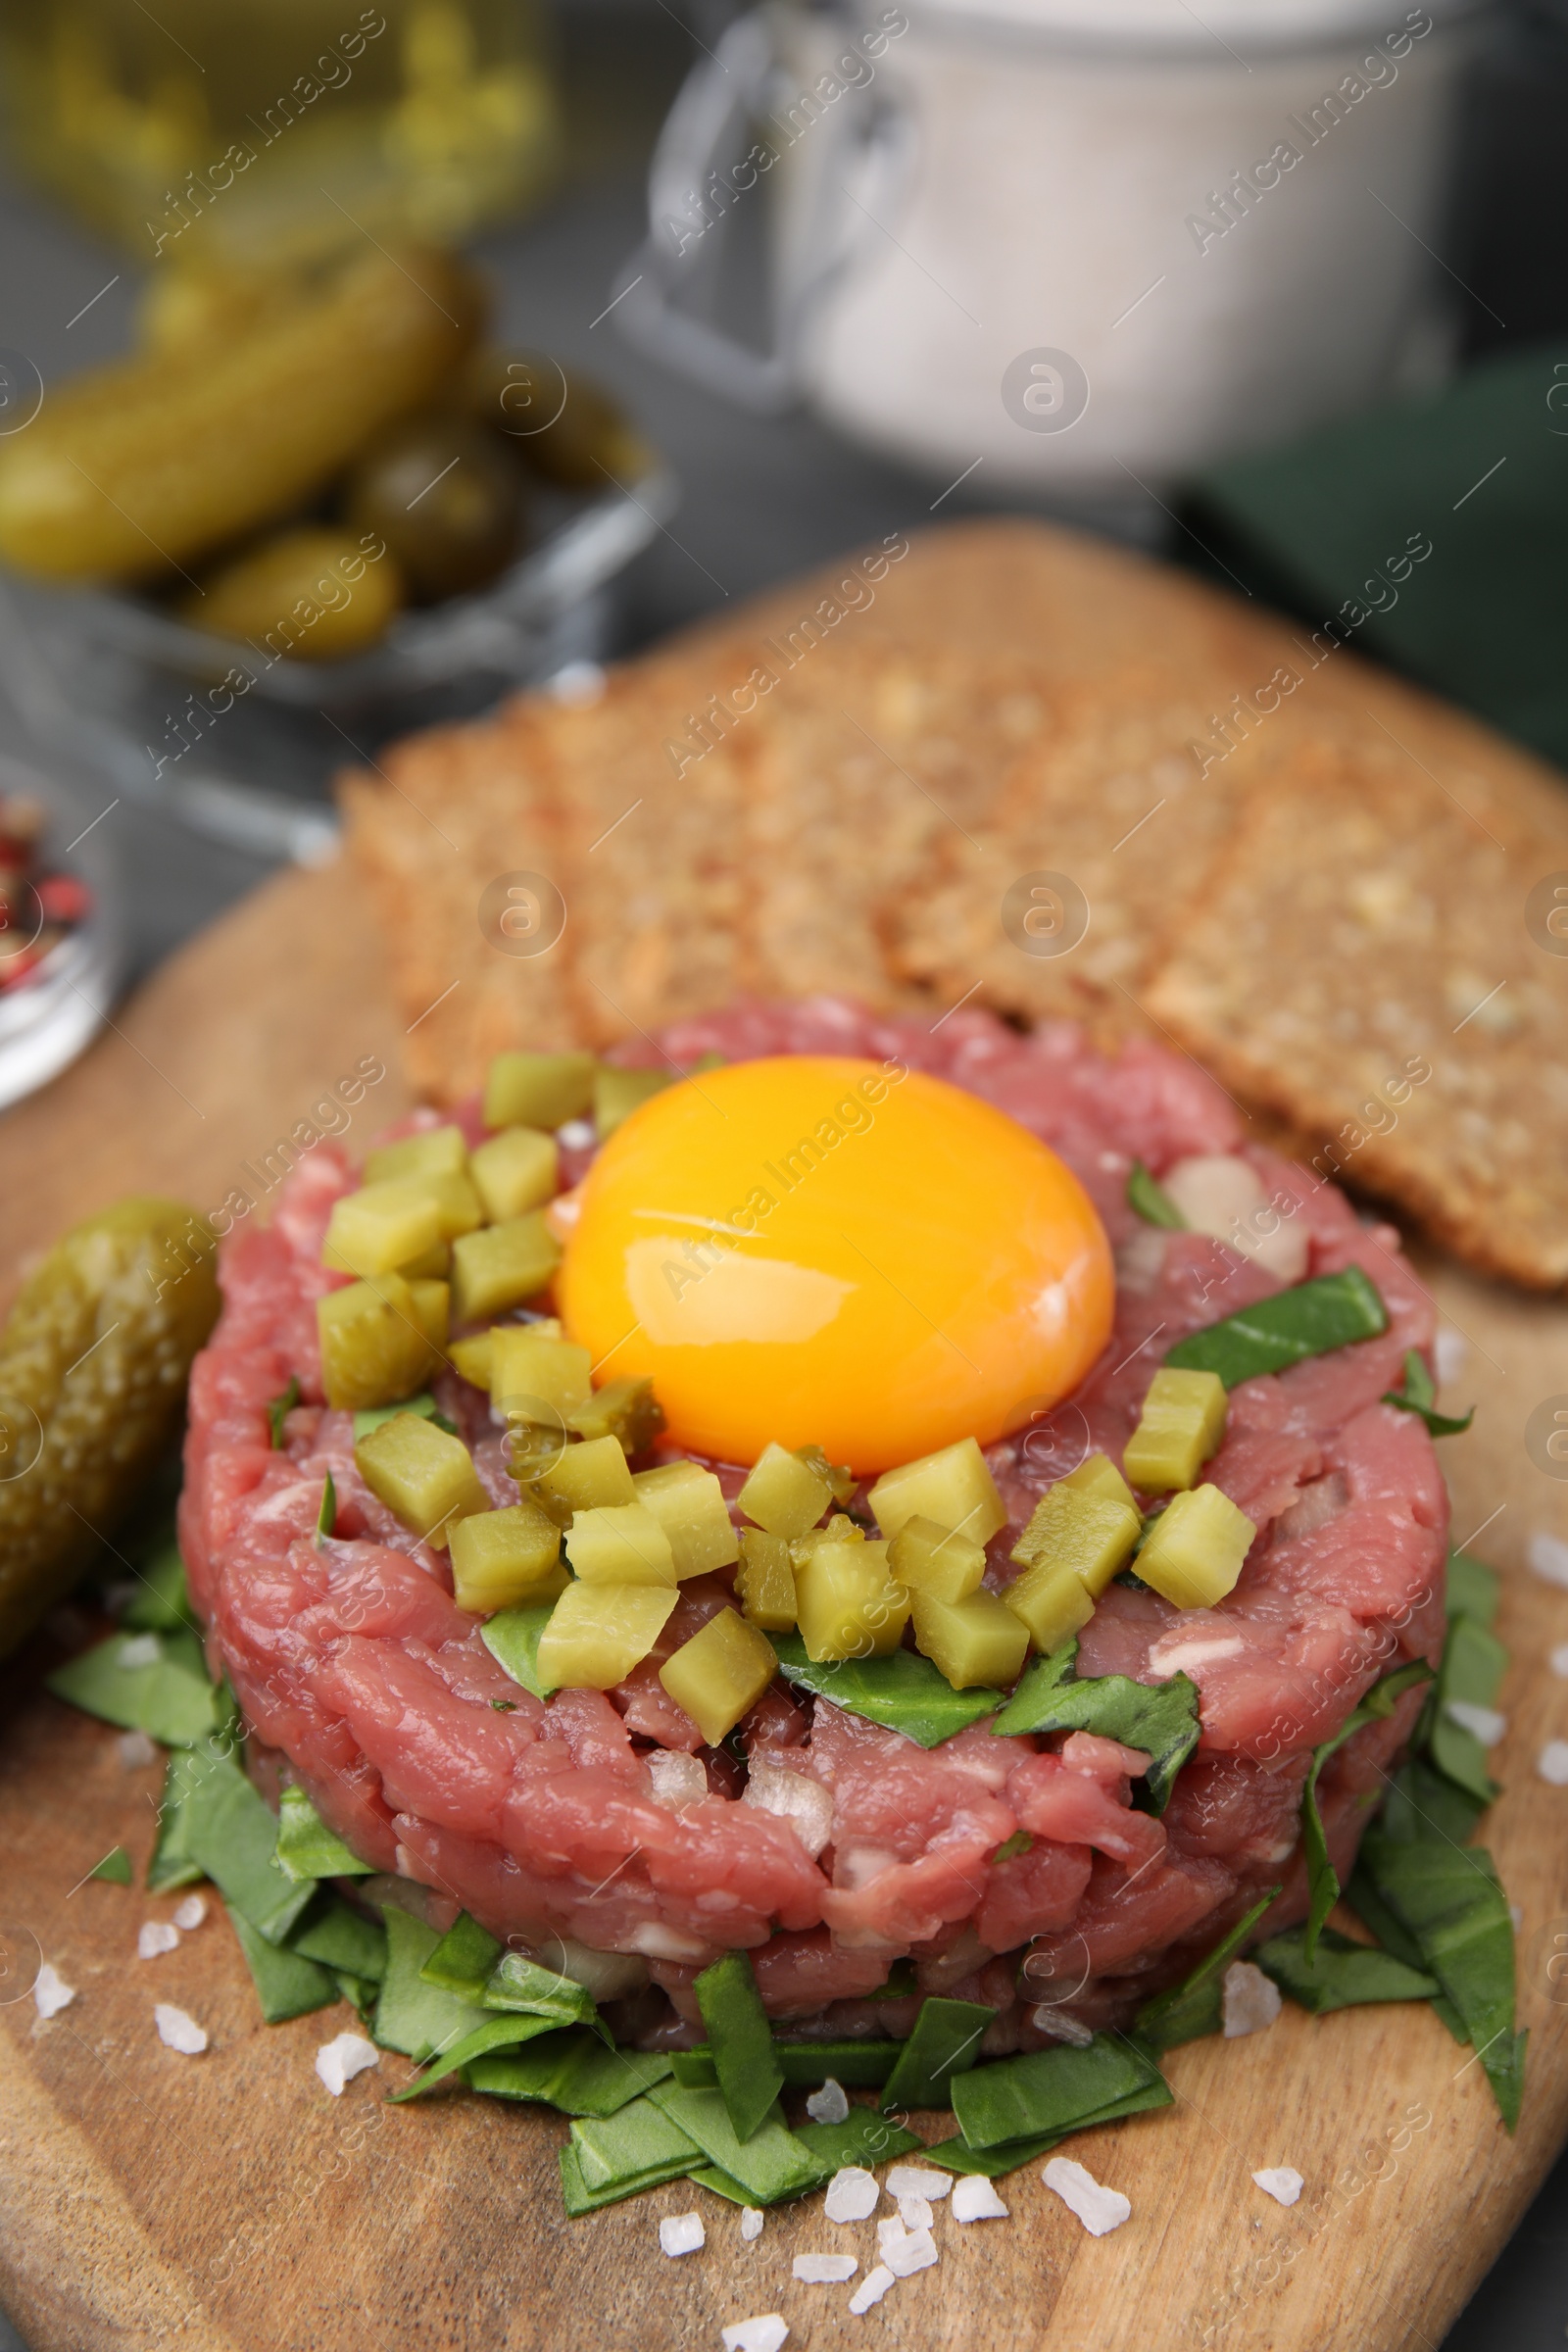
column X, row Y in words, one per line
column 52, row 1005
column 242, row 745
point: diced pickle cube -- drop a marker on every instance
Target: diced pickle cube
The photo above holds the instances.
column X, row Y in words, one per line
column 784, row 1493
column 973, row 1641
column 432, row 1308
column 1050, row 1602
column 375, row 1350
column 720, row 1673
column 515, row 1171
column 840, row 1477
column 1181, row 1425
column 380, row 1227
column 627, row 1409
column 538, row 1090
column 765, row 1580
column 848, row 1608
column 438, row 1151
column 1098, row 1474
column 589, row 1476
column 471, row 1357
column 618, row 1093
column 689, row 1506
column 1196, row 1548
column 535, row 1375
column 457, row 1203
column 621, row 1544
column 1073, row 1527
column 504, row 1559
column 598, row 1633
column 953, row 1487
column 501, row 1265
column 932, row 1560
column 423, row 1473
column 431, row 1265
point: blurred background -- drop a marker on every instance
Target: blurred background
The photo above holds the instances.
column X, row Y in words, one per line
column 595, row 316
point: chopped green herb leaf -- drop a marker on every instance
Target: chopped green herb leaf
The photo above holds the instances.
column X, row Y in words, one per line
column 420, row 2019
column 741, row 2040
column 359, row 1991
column 640, row 2137
column 162, row 1600
column 944, row 2043
column 1474, row 1663
column 464, row 1959
column 1310, row 1319
column 573, row 2071
column 115, row 1868
column 231, row 1833
column 1050, row 2091
column 279, row 1409
column 902, row 1983
column 803, row 2065
column 326, row 1516
column 171, row 1864
column 504, row 1706
column 1342, row 1975
column 771, row 2163
column 1190, row 2010
column 371, row 1416
column 1418, row 1394
column 494, row 2033
column 956, row 2156
column 864, row 2138
column 1159, row 1718
column 163, row 1690
column 287, row 1985
column 1020, row 1843
column 1377, row 1706
column 709, row 2176
column 343, row 1938
column 1451, row 1901
column 1473, row 1590
column 519, row 1983
column 511, row 1637
column 904, row 1691
column 1423, row 1803
column 1148, row 1198
column 579, row 2199
column 306, row 1848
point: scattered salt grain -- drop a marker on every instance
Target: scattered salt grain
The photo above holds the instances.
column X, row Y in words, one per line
column 190, row 1913
column 136, row 1748
column 917, row 2180
column 1484, row 1723
column 1061, row 2027
column 50, row 1991
column 764, row 2334
column 142, row 1650
column 1449, row 1348
column 681, row 2233
column 872, row 2289
column 824, row 2270
column 1100, row 2209
column 915, row 2250
column 178, row 2031
column 157, row 1937
column 1250, row 2000
column 889, row 2231
column 1548, row 1557
column 576, row 1134
column 975, row 2199
column 916, row 2213
column 579, row 684
column 829, row 2104
column 1281, row 2181
column 1517, row 1916
column 752, row 2223
column 851, row 2194
column 338, row 2062
column 1552, row 1763
column 1559, row 1660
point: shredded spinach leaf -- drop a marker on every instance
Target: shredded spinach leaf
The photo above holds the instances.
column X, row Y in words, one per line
column 511, row 1637
column 165, row 1695
column 464, row 1959
column 1418, row 1394
column 279, row 1409
column 161, row 1602
column 956, row 2156
column 771, row 2162
column 229, row 1830
column 902, row 1691
column 1473, row 1590
column 1187, row 2011
column 344, row 1940
column 944, row 2043
column 494, row 2033
column 326, row 1516
column 1310, row 1319
column 1051, row 2090
column 1474, row 1662
column 740, row 2038
column 571, row 2071
column 864, row 2138
column 1148, row 1198
column 1377, row 1706
column 1342, row 1973
column 114, row 1869
column 423, row 1408
column 286, row 1983
column 1159, row 1718
column 306, row 1848
column 418, row 2019
column 1450, row 1900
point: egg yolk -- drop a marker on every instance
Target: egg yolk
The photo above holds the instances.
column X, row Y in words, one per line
column 835, row 1252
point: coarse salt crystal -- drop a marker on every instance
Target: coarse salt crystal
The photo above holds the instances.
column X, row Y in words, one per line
column 916, row 2213
column 156, row 1937
column 975, row 2199
column 1449, row 1348
column 338, row 2062
column 872, row 2289
column 50, row 1991
column 829, row 2104
column 889, row 2231
column 1100, row 2209
column 681, row 2233
column 851, row 2194
column 1517, row 1916
column 1281, row 2181
column 136, row 1748
column 1548, row 1557
column 824, row 2270
column 752, row 2223
column 1559, row 1660
column 190, row 1913
column 576, row 1134
column 1552, row 1763
column 178, row 2031
column 141, row 1649
column 915, row 2250
column 1486, row 1724
column 917, row 2180
column 1250, row 2000
column 764, row 2334
column 1060, row 2026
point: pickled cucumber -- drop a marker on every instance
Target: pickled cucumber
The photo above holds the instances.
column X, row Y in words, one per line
column 564, row 427
column 150, row 461
column 447, row 500
column 93, row 1366
column 325, row 594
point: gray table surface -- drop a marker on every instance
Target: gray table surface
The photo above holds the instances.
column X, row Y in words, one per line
column 761, row 500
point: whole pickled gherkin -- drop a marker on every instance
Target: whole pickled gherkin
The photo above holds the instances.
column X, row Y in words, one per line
column 94, row 1362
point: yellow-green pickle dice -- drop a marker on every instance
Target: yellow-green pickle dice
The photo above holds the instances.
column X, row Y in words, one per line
column 375, row 1345
column 538, row 1090
column 502, row 1266
column 423, row 1473
column 720, row 1673
column 506, row 1559
column 764, row 1582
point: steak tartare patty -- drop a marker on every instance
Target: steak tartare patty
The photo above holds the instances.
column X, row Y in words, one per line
column 829, row 1848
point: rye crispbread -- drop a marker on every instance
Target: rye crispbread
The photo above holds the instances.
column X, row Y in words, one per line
column 1298, row 869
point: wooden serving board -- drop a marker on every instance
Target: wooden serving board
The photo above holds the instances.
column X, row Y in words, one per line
column 227, row 2204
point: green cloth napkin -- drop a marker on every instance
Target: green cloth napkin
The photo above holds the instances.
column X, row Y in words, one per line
column 1478, row 471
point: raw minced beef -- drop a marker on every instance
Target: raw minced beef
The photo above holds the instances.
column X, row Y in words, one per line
column 354, row 1662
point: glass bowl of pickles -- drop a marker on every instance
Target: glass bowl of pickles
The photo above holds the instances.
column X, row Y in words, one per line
column 314, row 509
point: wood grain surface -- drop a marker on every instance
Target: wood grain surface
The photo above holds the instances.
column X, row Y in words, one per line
column 226, row 2204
